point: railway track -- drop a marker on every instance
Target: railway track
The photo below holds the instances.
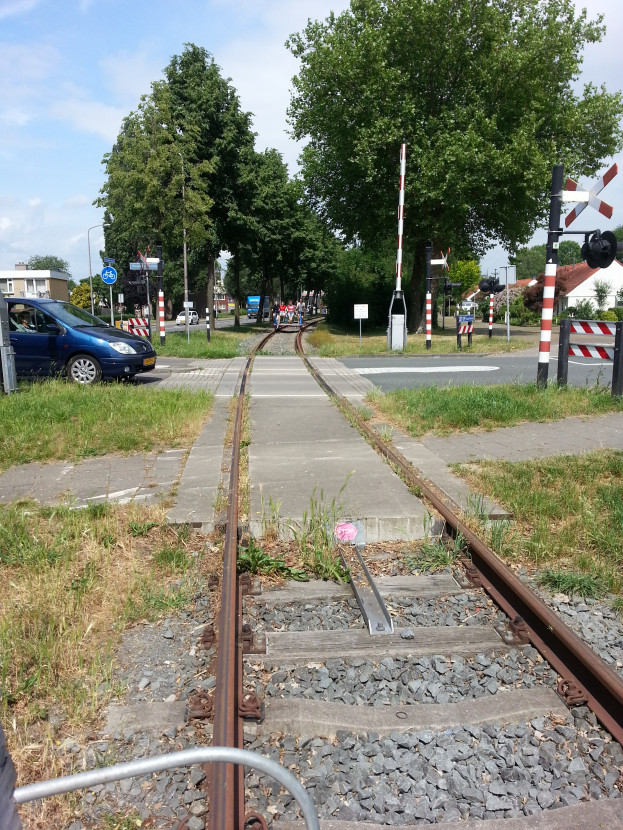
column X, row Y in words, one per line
column 401, row 699
column 365, row 629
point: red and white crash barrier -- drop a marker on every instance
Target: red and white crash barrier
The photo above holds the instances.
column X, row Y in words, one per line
column 597, row 328
column 138, row 325
column 593, row 327
column 599, row 352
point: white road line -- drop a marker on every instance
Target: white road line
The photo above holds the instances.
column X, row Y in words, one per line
column 430, row 370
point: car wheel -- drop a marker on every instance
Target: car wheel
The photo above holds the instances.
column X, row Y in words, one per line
column 82, row 368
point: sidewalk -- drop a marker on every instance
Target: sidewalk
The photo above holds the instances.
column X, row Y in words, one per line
column 301, row 446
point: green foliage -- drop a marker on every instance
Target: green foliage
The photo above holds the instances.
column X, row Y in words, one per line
column 362, row 275
column 520, row 315
column 583, row 310
column 608, row 316
column 569, row 582
column 81, row 295
column 467, row 272
column 530, row 262
column 601, row 289
column 48, row 262
column 474, row 106
column 252, row 559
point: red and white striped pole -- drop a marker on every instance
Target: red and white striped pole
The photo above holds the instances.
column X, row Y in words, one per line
column 401, row 215
column 160, row 293
column 429, row 296
column 490, row 315
column 549, row 287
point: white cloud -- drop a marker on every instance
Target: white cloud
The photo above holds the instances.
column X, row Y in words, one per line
column 128, row 75
column 15, row 7
column 5, row 224
column 77, row 201
column 75, row 107
column 35, row 202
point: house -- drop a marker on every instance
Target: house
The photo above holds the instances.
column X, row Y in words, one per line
column 580, row 284
column 24, row 282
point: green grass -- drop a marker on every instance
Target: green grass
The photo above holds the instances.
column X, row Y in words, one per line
column 570, row 582
column 55, row 420
column 567, row 515
column 224, row 343
column 469, row 408
column 335, row 341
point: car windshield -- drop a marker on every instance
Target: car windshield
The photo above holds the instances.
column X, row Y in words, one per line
column 74, row 316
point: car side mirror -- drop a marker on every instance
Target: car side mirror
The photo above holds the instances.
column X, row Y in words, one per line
column 52, row 328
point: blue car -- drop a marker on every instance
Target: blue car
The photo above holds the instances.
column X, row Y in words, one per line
column 50, row 337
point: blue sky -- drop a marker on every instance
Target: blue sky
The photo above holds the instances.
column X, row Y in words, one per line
column 70, row 70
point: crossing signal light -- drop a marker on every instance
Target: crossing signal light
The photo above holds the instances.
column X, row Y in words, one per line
column 601, row 249
column 490, row 285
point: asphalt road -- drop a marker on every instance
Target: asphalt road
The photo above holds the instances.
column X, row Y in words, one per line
column 398, row 372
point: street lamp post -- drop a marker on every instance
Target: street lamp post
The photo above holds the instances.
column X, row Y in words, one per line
column 105, row 225
column 186, row 309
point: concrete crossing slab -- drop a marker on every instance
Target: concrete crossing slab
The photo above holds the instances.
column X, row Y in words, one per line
column 299, row 449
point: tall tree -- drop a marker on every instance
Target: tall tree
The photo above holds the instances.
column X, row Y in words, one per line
column 481, row 91
column 48, row 262
column 531, row 261
column 179, row 163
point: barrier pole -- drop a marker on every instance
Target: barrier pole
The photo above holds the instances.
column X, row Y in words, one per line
column 551, row 264
column 563, row 352
column 617, row 368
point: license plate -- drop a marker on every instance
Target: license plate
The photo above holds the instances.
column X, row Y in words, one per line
column 149, row 361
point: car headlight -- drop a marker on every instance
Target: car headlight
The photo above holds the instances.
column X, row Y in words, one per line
column 123, row 348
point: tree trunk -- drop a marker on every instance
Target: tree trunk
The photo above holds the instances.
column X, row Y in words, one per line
column 236, row 259
column 263, row 287
column 416, row 308
column 210, row 300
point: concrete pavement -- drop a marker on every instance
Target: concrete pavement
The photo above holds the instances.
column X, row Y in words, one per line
column 301, row 448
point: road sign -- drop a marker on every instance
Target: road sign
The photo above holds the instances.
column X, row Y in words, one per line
column 588, row 197
column 136, row 266
column 361, row 311
column 109, row 275
column 109, row 260
column 443, row 261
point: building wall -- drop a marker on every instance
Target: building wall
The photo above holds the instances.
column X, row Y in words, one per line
column 586, row 289
column 35, row 283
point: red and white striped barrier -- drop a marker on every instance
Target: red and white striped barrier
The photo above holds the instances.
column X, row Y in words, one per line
column 161, row 315
column 593, row 327
column 401, row 215
column 429, row 319
column 465, row 328
column 490, row 315
column 599, row 352
column 138, row 325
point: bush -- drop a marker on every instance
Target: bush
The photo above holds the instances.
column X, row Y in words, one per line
column 609, row 316
column 618, row 312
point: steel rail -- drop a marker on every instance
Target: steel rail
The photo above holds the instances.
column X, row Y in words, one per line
column 227, row 781
column 585, row 677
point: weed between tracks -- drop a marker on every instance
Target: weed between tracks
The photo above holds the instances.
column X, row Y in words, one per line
column 75, row 579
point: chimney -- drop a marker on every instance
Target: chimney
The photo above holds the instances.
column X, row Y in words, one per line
column 21, row 266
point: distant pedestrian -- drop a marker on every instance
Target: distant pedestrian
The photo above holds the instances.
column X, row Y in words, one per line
column 282, row 312
column 291, row 311
column 276, row 313
column 301, row 311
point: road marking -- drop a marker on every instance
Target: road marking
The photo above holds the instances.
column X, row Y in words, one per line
column 396, row 370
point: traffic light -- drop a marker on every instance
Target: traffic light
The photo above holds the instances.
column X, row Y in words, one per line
column 490, row 285
column 600, row 250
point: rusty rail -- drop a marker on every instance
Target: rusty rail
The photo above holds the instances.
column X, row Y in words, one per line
column 227, row 781
column 584, row 676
